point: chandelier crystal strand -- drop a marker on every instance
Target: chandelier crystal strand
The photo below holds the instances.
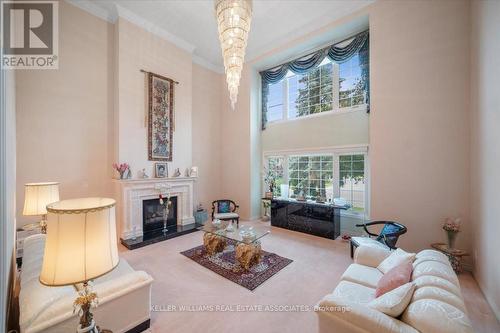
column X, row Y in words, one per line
column 233, row 19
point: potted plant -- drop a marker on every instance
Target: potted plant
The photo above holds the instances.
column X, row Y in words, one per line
column 270, row 180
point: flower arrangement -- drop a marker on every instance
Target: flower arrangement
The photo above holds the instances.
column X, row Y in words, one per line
column 122, row 169
column 452, row 228
column 452, row 225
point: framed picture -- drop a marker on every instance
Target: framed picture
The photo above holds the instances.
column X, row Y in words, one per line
column 161, row 170
column 160, row 117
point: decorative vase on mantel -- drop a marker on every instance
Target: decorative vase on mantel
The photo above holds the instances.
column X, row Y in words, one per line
column 452, row 237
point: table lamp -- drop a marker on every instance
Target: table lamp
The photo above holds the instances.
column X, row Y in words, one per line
column 37, row 196
column 80, row 246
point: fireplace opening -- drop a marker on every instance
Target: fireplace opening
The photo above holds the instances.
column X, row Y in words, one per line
column 152, row 214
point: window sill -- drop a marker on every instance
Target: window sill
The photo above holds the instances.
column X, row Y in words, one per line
column 321, row 114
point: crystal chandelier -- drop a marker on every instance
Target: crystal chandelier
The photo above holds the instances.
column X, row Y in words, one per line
column 233, row 20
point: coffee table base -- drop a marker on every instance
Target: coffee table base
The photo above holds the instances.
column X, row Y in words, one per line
column 213, row 243
column 248, row 254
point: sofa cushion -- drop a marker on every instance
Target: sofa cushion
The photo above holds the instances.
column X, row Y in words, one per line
column 370, row 256
column 432, row 255
column 396, row 258
column 364, row 275
column 352, row 292
column 431, row 316
column 394, row 302
column 394, row 278
column 440, row 295
column 438, row 282
column 435, row 268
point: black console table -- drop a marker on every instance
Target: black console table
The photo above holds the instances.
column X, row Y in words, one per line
column 306, row 216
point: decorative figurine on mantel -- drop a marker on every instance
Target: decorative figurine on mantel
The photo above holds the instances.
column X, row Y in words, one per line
column 143, row 174
column 177, row 172
column 193, row 172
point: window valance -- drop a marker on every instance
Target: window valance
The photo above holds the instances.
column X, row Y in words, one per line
column 358, row 45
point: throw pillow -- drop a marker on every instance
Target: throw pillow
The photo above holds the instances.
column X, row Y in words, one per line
column 396, row 258
column 394, row 278
column 224, row 207
column 394, row 302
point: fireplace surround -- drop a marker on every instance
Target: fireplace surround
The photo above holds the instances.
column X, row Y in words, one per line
column 130, row 194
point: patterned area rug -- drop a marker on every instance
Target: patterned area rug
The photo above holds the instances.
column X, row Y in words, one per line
column 226, row 265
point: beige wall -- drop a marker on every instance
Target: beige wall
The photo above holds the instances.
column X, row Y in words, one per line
column 64, row 116
column 485, row 159
column 73, row 123
column 207, row 134
column 236, row 145
column 324, row 130
column 139, row 49
column 419, row 124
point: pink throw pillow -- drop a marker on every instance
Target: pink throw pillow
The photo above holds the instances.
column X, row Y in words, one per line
column 394, row 278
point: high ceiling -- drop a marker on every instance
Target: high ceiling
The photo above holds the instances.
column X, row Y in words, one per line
column 192, row 22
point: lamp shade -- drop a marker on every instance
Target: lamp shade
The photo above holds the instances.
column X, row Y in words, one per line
column 81, row 241
column 38, row 195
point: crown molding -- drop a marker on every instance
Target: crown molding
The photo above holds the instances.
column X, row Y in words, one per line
column 95, row 10
column 154, row 29
column 119, row 11
column 208, row 65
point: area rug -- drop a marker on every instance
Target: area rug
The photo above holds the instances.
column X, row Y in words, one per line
column 226, row 265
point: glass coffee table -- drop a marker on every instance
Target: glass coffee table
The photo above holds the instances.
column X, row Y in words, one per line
column 246, row 239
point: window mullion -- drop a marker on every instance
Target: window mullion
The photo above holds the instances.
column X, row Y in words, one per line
column 285, row 99
column 335, row 86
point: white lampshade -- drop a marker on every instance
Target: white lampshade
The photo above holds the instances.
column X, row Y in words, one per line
column 38, row 195
column 81, row 241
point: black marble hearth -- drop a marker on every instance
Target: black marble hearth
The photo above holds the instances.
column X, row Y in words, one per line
column 158, row 236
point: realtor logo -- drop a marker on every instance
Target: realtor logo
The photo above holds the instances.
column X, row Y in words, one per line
column 30, row 34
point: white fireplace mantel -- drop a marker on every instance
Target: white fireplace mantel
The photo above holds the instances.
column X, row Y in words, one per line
column 130, row 193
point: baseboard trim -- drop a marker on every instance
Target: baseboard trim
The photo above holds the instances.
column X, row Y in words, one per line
column 493, row 306
column 141, row 327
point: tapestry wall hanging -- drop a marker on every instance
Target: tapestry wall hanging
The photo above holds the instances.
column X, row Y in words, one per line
column 160, row 117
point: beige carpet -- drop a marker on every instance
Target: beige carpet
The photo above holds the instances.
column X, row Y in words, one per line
column 317, row 266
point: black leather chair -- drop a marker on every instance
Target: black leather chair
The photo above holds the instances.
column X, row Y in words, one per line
column 387, row 238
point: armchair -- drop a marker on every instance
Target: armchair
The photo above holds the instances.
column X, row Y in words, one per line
column 387, row 238
column 225, row 210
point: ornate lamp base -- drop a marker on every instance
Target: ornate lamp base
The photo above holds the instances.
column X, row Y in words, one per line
column 85, row 300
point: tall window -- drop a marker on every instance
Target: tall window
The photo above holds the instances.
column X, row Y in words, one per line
column 311, row 92
column 275, row 168
column 351, row 84
column 330, row 87
column 335, row 175
column 310, row 176
column 275, row 101
column 352, row 180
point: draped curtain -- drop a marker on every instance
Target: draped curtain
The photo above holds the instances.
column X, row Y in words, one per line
column 359, row 45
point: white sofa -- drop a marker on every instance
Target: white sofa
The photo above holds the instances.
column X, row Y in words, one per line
column 124, row 297
column 436, row 306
